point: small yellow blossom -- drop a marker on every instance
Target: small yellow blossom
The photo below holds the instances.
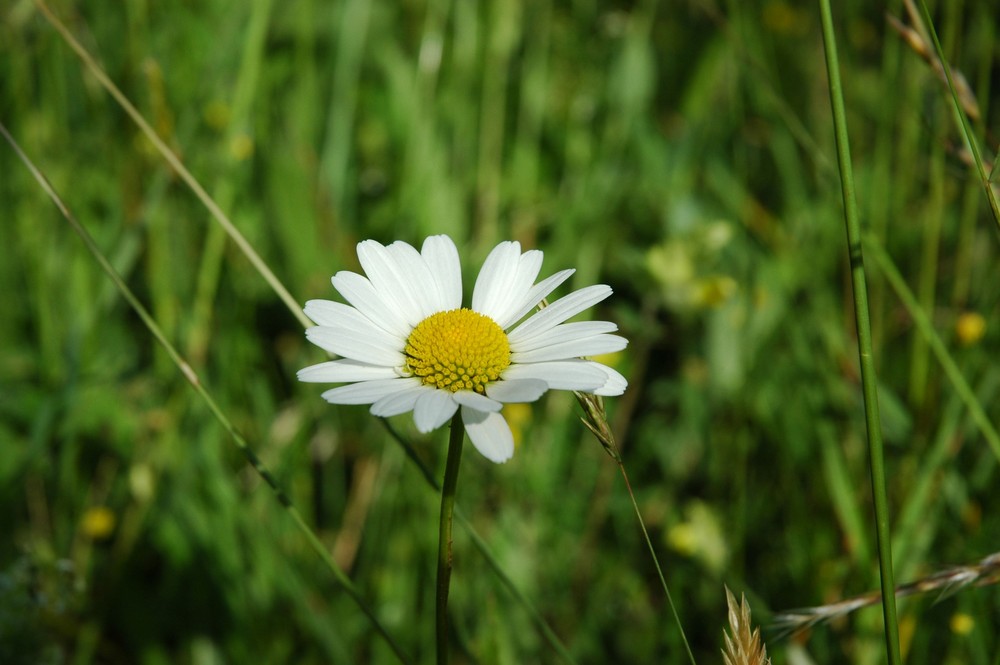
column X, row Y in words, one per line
column 98, row 522
column 962, row 623
column 970, row 328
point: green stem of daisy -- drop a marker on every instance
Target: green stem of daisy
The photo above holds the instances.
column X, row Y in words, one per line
column 216, row 410
column 444, row 533
column 869, row 381
column 480, row 544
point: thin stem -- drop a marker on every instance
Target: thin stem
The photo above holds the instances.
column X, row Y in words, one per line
column 869, row 381
column 596, row 420
column 195, row 381
column 656, row 561
column 444, row 534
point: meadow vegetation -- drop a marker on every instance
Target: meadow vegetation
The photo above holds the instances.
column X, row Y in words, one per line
column 680, row 151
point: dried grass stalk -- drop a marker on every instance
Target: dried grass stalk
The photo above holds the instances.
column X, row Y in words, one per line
column 946, row 582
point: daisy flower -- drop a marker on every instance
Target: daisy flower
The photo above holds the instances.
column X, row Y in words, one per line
column 407, row 344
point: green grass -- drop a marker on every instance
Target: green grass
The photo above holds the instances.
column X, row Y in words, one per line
column 681, row 152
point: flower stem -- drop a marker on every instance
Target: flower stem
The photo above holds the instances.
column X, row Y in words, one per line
column 444, row 534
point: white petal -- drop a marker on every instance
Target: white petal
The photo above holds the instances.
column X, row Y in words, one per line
column 503, row 310
column 516, row 390
column 579, row 375
column 399, row 402
column 368, row 392
column 422, row 286
column 357, row 345
column 489, row 433
column 326, row 312
column 562, row 309
column 476, row 401
column 577, row 348
column 391, row 280
column 537, row 292
column 359, row 292
column 615, row 383
column 441, row 257
column 564, row 332
column 433, row 409
column 495, row 277
column 338, row 315
column 343, row 371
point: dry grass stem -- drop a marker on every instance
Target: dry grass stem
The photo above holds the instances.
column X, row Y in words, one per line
column 948, row 581
column 918, row 41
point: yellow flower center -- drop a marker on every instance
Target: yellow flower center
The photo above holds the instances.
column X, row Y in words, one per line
column 457, row 350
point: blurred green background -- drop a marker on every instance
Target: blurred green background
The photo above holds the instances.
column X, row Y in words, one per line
column 680, row 151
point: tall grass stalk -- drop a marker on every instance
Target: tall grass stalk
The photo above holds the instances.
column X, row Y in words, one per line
column 192, row 377
column 865, row 353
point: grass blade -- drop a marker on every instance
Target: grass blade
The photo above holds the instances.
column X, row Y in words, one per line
column 865, row 352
